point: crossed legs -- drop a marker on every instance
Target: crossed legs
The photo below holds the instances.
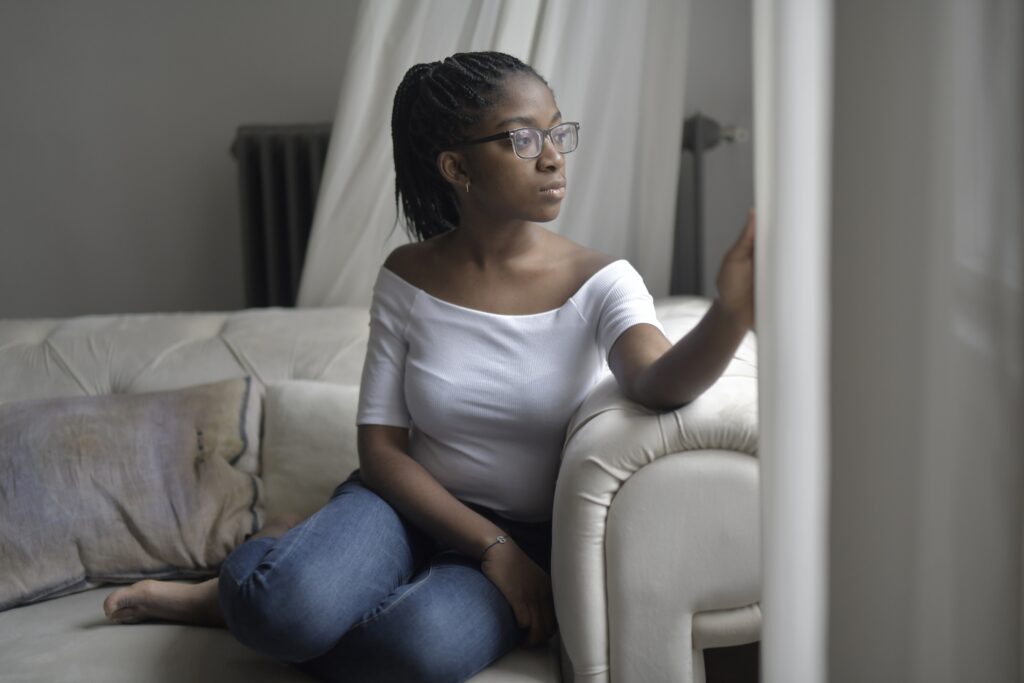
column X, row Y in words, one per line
column 353, row 592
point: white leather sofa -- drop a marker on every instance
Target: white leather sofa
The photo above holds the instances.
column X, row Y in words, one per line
column 656, row 530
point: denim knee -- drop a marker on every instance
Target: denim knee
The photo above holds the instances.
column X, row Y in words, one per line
column 444, row 627
column 293, row 598
column 427, row 656
column 281, row 619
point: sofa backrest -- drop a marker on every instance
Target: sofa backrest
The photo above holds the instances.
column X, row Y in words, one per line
column 114, row 354
column 132, row 353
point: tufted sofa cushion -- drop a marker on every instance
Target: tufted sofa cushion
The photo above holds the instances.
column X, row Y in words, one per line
column 113, row 354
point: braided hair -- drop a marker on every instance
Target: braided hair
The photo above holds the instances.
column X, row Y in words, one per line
column 434, row 104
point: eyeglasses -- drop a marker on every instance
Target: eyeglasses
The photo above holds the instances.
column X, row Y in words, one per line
column 528, row 143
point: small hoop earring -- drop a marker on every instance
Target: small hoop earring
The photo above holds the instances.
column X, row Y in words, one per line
column 467, row 187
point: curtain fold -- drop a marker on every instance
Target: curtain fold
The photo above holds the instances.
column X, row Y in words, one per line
column 616, row 67
column 927, row 387
column 793, row 54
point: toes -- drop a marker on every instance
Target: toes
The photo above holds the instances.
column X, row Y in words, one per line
column 126, row 615
column 113, row 602
column 124, row 605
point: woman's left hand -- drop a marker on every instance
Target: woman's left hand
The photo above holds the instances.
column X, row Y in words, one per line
column 736, row 277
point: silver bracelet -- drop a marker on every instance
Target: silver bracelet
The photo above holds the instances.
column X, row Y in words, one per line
column 497, row 540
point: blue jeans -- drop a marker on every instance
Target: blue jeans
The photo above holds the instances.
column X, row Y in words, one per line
column 356, row 593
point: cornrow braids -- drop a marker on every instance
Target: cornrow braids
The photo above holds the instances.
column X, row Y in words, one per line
column 434, row 104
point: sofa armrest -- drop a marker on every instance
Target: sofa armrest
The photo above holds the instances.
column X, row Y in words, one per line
column 704, row 500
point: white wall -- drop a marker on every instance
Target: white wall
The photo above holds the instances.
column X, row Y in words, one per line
column 117, row 189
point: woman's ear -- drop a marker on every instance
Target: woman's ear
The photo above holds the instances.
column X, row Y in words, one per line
column 452, row 166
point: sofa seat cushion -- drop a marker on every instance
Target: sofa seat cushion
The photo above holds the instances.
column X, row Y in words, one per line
column 68, row 640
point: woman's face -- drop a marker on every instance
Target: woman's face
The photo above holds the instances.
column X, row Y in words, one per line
column 502, row 185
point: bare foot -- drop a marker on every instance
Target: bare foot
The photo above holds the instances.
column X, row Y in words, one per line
column 182, row 602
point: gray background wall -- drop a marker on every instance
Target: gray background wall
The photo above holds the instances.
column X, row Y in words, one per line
column 719, row 83
column 117, row 189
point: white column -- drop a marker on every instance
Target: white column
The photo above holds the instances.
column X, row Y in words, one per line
column 792, row 62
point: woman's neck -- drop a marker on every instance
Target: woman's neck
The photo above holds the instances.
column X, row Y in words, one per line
column 488, row 246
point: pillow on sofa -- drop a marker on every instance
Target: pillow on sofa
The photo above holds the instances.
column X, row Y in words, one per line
column 309, row 444
column 118, row 488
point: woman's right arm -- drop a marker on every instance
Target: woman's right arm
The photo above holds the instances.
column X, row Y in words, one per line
column 386, row 469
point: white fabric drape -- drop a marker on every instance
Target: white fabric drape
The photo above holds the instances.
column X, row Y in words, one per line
column 793, row 108
column 616, row 67
column 928, row 340
column 891, row 431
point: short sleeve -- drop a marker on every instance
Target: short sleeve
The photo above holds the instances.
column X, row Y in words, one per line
column 382, row 387
column 626, row 303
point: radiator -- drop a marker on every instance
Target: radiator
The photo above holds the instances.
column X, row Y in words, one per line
column 279, row 173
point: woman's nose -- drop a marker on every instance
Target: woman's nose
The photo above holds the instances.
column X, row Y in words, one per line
column 549, row 155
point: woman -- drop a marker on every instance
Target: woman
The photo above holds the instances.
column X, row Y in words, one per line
column 431, row 561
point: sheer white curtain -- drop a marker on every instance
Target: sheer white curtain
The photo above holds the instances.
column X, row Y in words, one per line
column 928, row 340
column 616, row 67
column 793, row 108
column 891, row 432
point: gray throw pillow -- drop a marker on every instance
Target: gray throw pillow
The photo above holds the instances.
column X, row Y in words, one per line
column 98, row 489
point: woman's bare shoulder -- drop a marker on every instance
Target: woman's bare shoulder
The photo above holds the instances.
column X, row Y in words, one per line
column 402, row 257
column 581, row 260
column 412, row 262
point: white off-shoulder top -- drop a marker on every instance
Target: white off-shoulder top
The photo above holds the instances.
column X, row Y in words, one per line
column 487, row 396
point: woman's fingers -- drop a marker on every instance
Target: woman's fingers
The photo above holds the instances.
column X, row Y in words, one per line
column 527, row 588
column 745, row 243
column 522, row 613
column 548, row 621
column 536, row 628
column 542, row 627
column 542, row 619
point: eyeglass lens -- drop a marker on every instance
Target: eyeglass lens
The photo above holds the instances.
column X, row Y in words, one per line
column 529, row 142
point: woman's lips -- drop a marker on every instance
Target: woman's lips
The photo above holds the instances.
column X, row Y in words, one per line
column 554, row 190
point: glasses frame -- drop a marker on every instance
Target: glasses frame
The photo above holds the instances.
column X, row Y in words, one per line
column 545, row 135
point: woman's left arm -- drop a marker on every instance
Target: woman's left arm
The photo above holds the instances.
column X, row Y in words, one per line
column 652, row 371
